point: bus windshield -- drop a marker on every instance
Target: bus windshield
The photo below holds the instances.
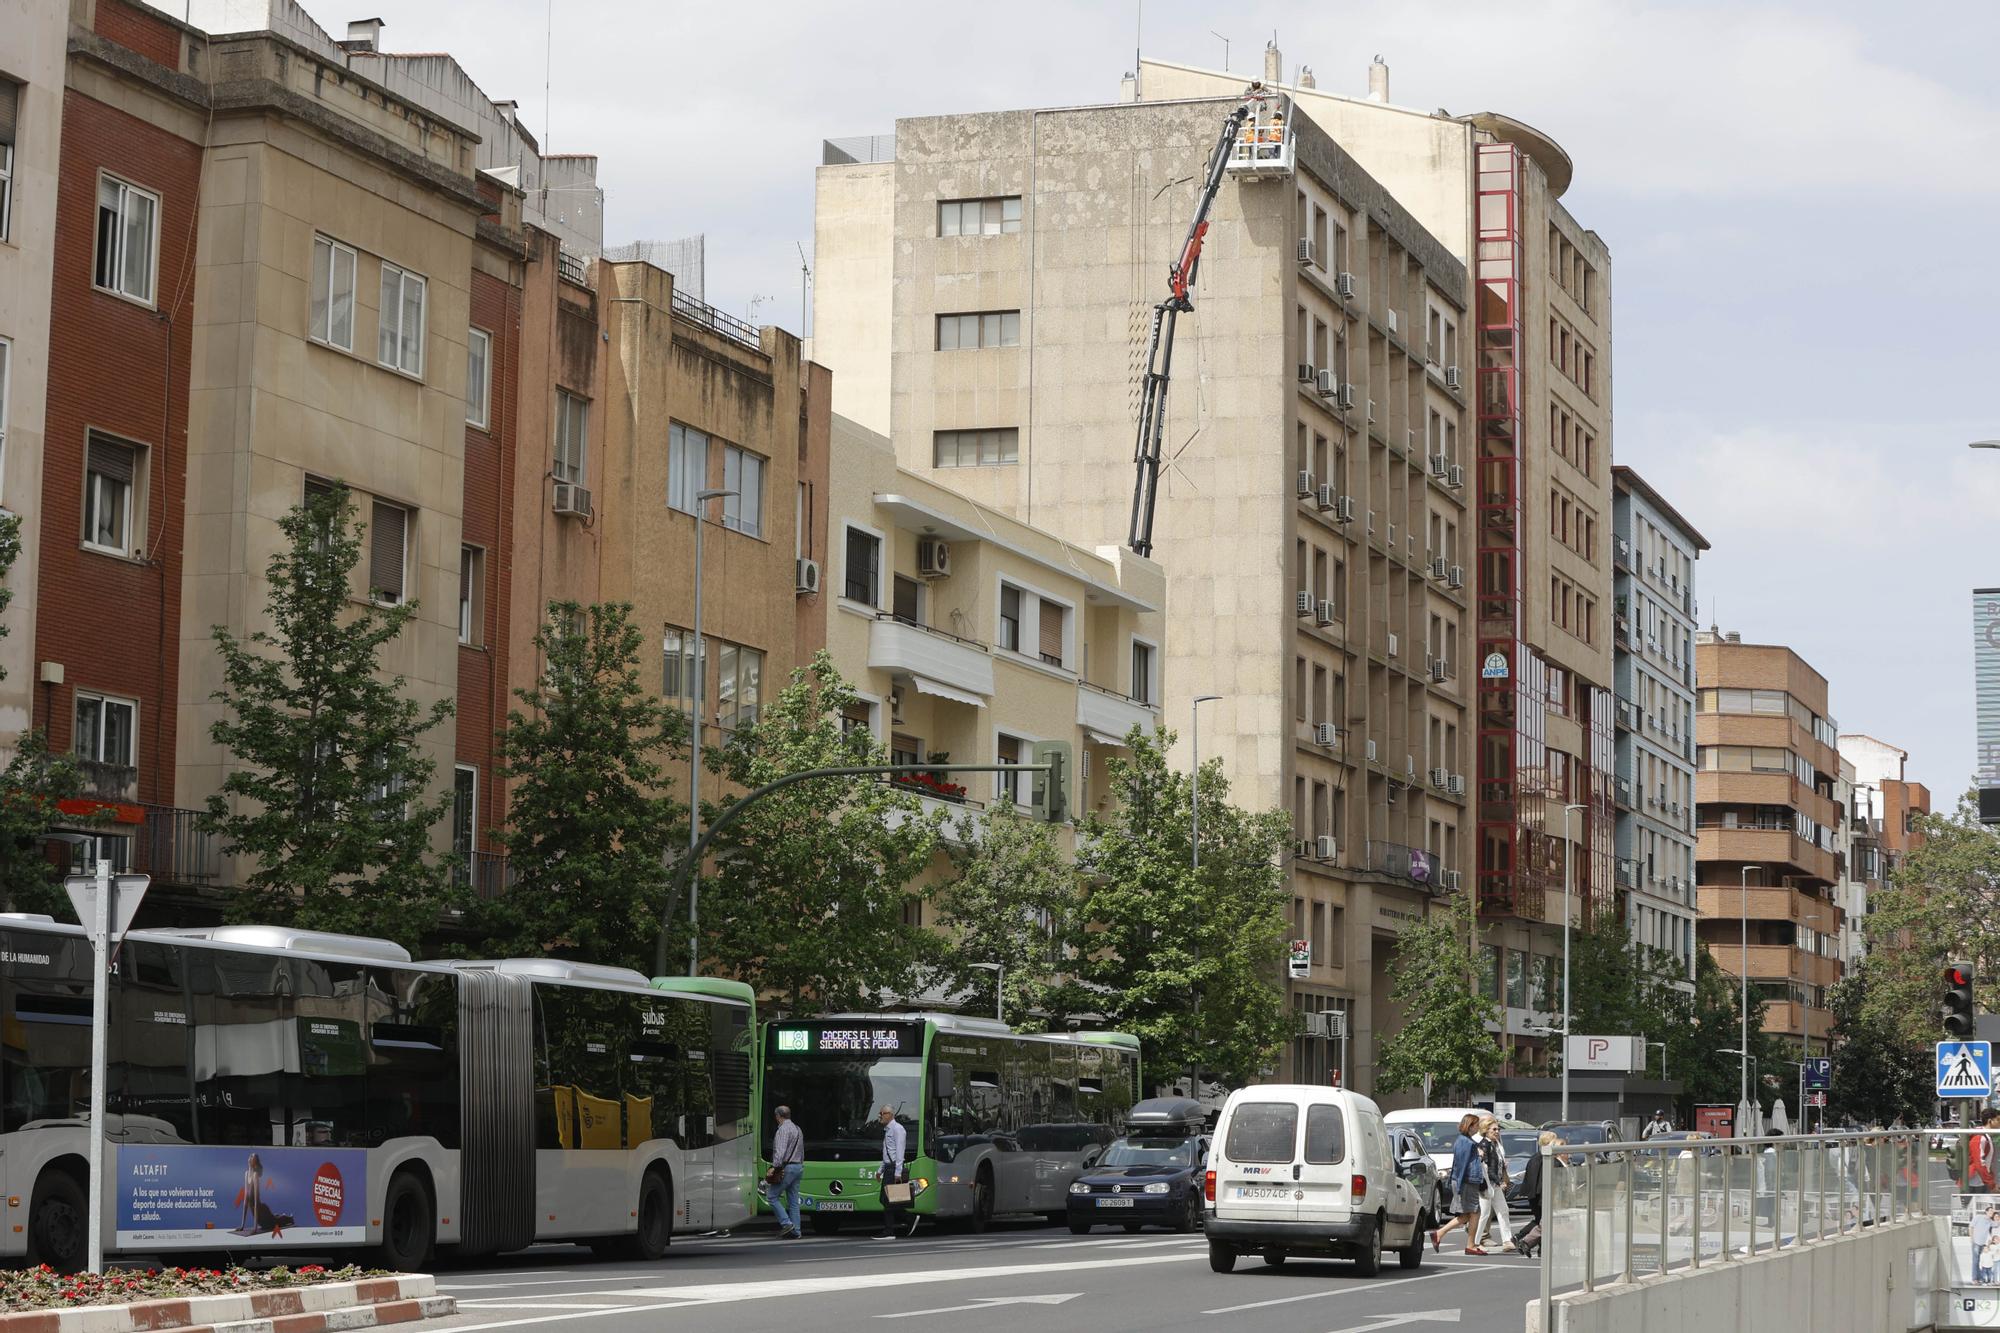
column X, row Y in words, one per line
column 836, row 1102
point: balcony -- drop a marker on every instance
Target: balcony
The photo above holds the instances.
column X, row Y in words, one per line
column 697, row 312
column 1766, row 846
column 960, row 825
column 1628, row 873
column 939, row 663
column 157, row 840
column 486, row 874
column 1784, row 1018
column 1621, row 554
column 108, row 782
column 1767, row 903
column 1108, row 716
column 1774, row 962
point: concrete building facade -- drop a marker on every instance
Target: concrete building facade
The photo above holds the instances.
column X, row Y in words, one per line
column 1653, row 555
column 986, row 296
column 1767, row 767
column 1883, row 806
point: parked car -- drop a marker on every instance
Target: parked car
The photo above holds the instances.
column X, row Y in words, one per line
column 1301, row 1169
column 1588, row 1132
column 1437, row 1126
column 1152, row 1175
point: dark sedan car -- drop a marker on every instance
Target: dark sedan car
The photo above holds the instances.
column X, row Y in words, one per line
column 1152, row 1177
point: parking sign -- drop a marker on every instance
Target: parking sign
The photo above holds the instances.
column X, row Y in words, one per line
column 1819, row 1073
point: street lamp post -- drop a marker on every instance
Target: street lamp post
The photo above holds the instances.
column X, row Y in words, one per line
column 701, row 500
column 1744, row 1050
column 1749, row 1061
column 1663, row 1058
column 999, row 971
column 1569, row 860
column 1194, row 801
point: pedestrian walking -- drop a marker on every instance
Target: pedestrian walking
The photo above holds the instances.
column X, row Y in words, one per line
column 1467, row 1181
column 895, row 1184
column 1979, row 1165
column 1659, row 1124
column 1493, row 1208
column 1529, row 1242
column 781, row 1182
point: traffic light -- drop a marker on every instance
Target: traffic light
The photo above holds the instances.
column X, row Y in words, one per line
column 1051, row 789
column 1958, row 1009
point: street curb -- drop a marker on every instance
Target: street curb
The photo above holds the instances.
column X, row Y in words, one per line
column 327, row 1307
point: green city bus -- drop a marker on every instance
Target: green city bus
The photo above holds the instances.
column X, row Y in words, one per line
column 997, row 1121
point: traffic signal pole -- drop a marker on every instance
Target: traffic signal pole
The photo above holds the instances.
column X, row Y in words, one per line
column 1052, row 797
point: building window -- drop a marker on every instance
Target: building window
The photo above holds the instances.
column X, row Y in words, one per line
column 464, row 810
column 743, row 472
column 1142, row 672
column 478, row 376
column 471, row 595
column 106, row 730
column 10, row 106
column 388, row 547
column 1010, row 618
column 993, row 328
column 905, row 751
column 399, row 340
column 677, row 682
column 979, row 217
column 1010, row 786
column 572, row 438
column 858, row 716
column 862, row 579
column 128, row 238
column 332, row 313
column 976, row 448
column 1051, row 641
column 906, row 600
column 6, row 364
column 687, row 466
column 110, row 490
column 739, row 684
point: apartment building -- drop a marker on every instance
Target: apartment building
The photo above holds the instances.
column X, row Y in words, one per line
column 1653, row 554
column 31, row 107
column 1858, row 853
column 1882, row 808
column 1489, row 188
column 971, row 636
column 983, row 292
column 1767, row 764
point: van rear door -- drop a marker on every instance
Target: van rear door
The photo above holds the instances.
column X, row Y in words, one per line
column 1331, row 1154
column 1254, row 1171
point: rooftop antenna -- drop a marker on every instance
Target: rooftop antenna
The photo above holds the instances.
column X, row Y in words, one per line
column 1225, row 48
column 548, row 68
column 805, row 281
column 1138, row 46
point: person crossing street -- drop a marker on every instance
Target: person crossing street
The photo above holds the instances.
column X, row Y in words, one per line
column 788, row 1163
column 895, row 1182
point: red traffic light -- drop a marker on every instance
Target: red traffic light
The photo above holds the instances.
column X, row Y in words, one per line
column 1957, row 976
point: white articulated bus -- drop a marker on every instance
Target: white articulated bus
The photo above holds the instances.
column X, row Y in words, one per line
column 282, row 1090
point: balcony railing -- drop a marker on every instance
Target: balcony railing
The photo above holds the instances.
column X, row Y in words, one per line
column 573, row 268
column 487, row 874
column 698, row 312
column 108, row 782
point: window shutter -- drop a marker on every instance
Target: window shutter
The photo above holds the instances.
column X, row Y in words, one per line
column 111, row 460
column 1052, row 631
column 386, row 545
column 10, row 109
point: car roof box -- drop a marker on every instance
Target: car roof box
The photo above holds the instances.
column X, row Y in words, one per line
column 1164, row 1112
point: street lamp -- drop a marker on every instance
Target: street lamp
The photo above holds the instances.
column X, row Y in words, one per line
column 1749, row 1061
column 1194, row 802
column 701, row 500
column 1569, row 859
column 1663, row 1058
column 1744, row 1050
column 999, row 971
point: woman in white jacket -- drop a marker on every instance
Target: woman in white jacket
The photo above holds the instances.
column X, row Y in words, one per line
column 1493, row 1204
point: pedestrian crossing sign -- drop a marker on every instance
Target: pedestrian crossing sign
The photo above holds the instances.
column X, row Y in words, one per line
column 1964, row 1069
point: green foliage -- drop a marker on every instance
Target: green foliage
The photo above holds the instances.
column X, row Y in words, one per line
column 10, row 551
column 329, row 793
column 30, row 786
column 806, row 892
column 1013, row 901
column 1942, row 907
column 1444, row 1035
column 1188, row 960
column 591, row 836
column 1878, row 1074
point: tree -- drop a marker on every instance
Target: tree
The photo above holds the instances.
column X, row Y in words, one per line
column 330, row 794
column 1444, row 1037
column 591, row 834
column 1942, row 906
column 1013, row 901
column 1186, row 960
column 806, row 895
column 1878, row 1075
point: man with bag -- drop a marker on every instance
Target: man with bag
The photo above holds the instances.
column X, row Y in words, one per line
column 895, row 1180
column 781, row 1182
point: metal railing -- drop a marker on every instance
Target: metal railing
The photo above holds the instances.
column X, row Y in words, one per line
column 487, row 874
column 857, row 148
column 698, row 312
column 573, row 268
column 1614, row 1212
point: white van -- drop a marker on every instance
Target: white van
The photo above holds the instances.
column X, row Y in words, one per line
column 1299, row 1169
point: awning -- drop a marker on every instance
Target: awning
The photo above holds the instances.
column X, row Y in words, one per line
column 925, row 685
column 1102, row 738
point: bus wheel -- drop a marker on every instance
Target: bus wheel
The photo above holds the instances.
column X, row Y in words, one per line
column 58, row 1223
column 982, row 1200
column 654, row 1229
column 409, row 1226
column 826, row 1224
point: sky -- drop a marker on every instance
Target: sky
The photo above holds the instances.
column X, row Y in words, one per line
column 1798, row 199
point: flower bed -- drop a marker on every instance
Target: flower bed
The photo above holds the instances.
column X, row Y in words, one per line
column 45, row 1289
column 931, row 784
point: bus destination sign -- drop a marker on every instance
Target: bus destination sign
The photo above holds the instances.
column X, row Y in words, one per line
column 835, row 1039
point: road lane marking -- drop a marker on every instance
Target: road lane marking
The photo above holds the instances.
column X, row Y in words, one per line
column 986, row 1303
column 502, row 1303
column 555, row 1318
column 543, row 1282
column 1331, row 1291
column 1414, row 1317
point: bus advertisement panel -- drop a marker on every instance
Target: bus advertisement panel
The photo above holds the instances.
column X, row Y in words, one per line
column 174, row 1197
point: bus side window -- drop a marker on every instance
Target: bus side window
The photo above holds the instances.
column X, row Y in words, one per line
column 329, row 1096
column 548, row 1127
column 152, row 1046
column 412, row 1056
column 729, row 1069
column 48, row 1032
column 244, row 1039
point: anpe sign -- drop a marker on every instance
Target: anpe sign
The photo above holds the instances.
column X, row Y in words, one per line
column 1611, row 1055
column 1301, row 958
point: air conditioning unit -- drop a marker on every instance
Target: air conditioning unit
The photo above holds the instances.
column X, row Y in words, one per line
column 805, row 576
column 1305, row 484
column 1392, row 534
column 1371, row 750
column 1344, row 284
column 933, row 558
column 1329, row 384
column 1393, row 645
column 1440, row 466
column 1326, row 495
column 1451, row 377
column 1325, row 733
column 1325, row 613
column 1410, row 769
column 1395, row 322
column 1457, row 786
column 1439, row 670
column 571, row 499
column 1325, row 848
column 895, row 705
column 1306, row 372
column 1303, row 603
column 1346, row 395
column 1440, row 778
column 1371, row 409
column 1455, row 577
column 1305, row 252
column 1346, row 509
column 1438, row 568
column 1303, row 848
column 1456, row 477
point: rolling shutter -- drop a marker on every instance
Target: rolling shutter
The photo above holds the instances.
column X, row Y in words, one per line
column 111, row 460
column 10, row 109
column 388, row 538
column 1052, row 631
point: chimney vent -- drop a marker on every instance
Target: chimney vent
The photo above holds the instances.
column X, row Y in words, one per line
column 1306, row 79
column 1274, row 63
column 1378, row 81
column 1734, row 636
column 364, row 35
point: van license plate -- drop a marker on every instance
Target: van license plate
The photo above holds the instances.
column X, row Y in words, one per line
column 837, row 1206
column 1263, row 1191
column 1114, row 1203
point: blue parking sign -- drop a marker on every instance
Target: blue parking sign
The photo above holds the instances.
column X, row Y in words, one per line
column 1964, row 1069
column 1819, row 1073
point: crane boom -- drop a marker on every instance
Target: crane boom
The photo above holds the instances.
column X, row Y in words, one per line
column 1160, row 343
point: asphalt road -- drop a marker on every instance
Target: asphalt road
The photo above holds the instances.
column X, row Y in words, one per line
column 1035, row 1273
